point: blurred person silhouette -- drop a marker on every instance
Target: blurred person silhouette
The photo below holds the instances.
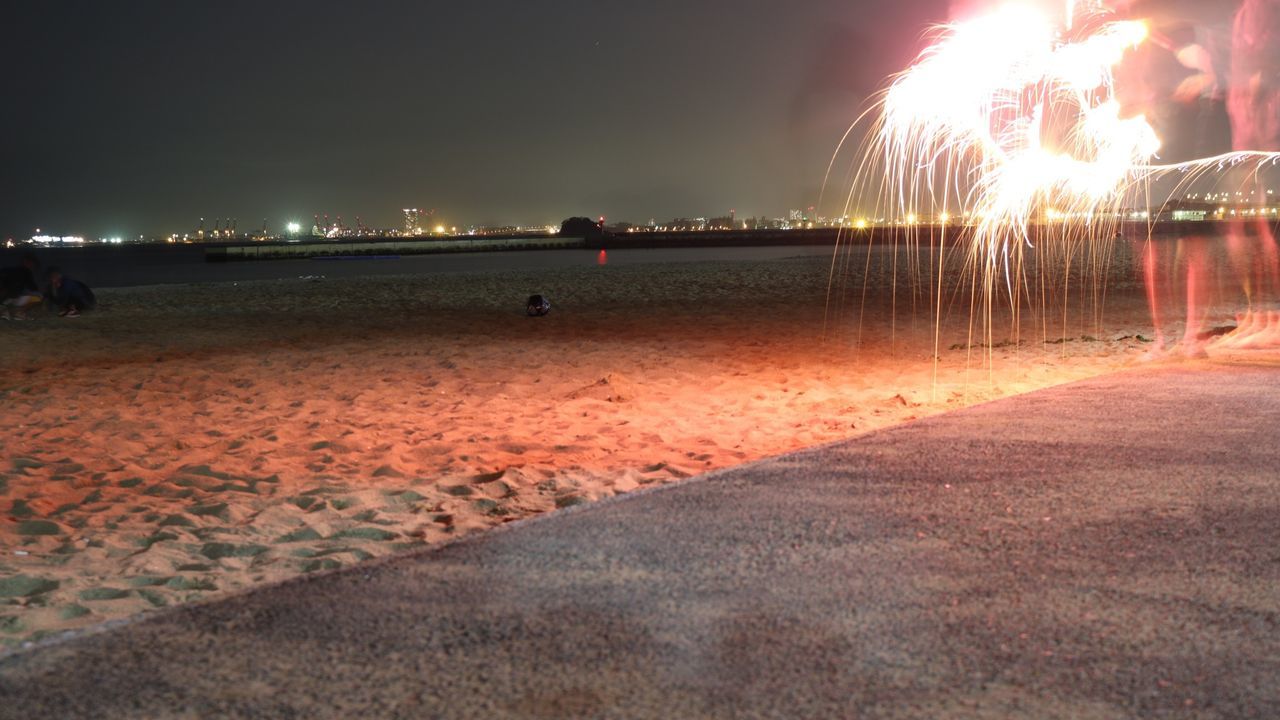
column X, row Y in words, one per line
column 69, row 295
column 19, row 289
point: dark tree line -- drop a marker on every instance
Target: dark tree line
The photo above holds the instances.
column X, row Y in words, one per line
column 582, row 227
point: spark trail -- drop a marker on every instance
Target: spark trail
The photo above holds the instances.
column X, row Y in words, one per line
column 1012, row 120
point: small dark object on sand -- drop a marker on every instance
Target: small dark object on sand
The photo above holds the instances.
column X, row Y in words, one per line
column 537, row 306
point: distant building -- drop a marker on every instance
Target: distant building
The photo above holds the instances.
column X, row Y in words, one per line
column 685, row 225
column 1189, row 210
column 412, row 221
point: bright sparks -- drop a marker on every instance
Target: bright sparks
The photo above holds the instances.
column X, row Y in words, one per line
column 1011, row 120
column 1007, row 115
column 1012, row 117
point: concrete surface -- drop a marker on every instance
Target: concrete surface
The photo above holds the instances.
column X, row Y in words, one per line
column 1108, row 549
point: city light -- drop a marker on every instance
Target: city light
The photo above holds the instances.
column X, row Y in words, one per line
column 1191, row 207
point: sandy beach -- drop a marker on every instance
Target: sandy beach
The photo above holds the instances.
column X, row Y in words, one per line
column 189, row 441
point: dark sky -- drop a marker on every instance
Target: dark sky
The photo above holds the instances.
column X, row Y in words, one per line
column 141, row 116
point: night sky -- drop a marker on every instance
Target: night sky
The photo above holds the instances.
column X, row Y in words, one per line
column 141, row 116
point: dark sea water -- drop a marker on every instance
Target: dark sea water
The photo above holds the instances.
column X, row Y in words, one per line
column 124, row 266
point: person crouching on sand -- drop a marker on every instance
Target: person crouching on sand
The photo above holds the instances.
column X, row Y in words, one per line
column 18, row 285
column 70, row 296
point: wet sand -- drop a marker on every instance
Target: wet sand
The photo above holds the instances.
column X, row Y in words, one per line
column 189, row 441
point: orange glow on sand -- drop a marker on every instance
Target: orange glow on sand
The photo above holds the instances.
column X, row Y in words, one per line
column 179, row 459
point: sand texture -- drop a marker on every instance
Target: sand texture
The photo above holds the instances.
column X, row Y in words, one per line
column 188, row 441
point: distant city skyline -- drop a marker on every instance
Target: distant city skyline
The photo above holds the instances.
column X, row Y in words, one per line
column 424, row 223
column 418, row 222
column 1214, row 206
column 144, row 116
column 141, row 117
